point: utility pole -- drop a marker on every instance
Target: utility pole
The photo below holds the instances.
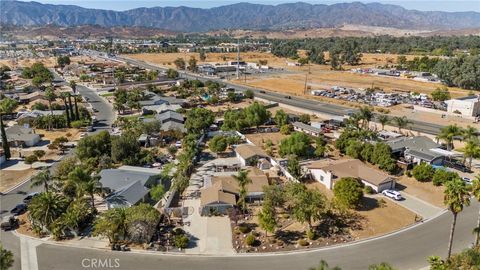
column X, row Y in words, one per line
column 306, row 79
column 238, row 58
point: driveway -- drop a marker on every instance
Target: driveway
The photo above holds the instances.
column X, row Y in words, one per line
column 210, row 235
column 418, row 206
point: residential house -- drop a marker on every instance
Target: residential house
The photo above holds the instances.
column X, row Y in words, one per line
column 222, row 192
column 417, row 149
column 308, row 129
column 249, row 154
column 21, row 136
column 154, row 99
column 170, row 116
column 328, row 171
column 27, row 98
column 129, row 185
column 160, row 108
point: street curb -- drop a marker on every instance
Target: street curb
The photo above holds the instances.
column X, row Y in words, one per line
column 269, row 254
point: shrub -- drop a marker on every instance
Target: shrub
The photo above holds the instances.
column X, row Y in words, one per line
column 442, row 176
column 381, row 202
column 77, row 124
column 31, row 159
column 311, row 234
column 178, row 231
column 181, row 241
column 348, row 192
column 250, row 240
column 408, row 173
column 303, row 242
column 244, row 228
column 39, row 153
column 423, row 172
column 368, row 190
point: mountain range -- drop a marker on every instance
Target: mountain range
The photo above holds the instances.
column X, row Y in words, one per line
column 237, row 16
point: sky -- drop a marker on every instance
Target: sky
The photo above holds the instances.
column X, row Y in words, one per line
column 424, row 5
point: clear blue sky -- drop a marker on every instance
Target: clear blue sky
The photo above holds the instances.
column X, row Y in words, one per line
column 441, row 5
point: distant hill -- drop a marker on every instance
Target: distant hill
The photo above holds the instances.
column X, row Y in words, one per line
column 238, row 16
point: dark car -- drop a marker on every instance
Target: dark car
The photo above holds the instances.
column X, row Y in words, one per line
column 288, row 97
column 261, row 91
column 19, row 209
column 29, row 197
column 9, row 223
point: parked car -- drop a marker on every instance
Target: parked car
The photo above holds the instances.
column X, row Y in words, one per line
column 261, row 91
column 288, row 97
column 467, row 180
column 9, row 223
column 90, row 129
column 393, row 194
column 19, row 209
column 29, row 197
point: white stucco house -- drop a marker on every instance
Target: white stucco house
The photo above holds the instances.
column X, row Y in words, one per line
column 328, row 171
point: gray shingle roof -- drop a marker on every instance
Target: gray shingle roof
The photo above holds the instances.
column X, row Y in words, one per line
column 170, row 116
column 129, row 195
column 117, row 179
column 417, row 143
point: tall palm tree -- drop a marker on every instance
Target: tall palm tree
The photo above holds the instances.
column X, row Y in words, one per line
column 73, row 85
column 50, row 96
column 77, row 179
column 43, row 178
column 476, row 193
column 243, row 180
column 75, row 100
column 471, row 151
column 64, row 97
column 401, row 122
column 46, row 208
column 448, row 133
column 383, row 120
column 91, row 188
column 72, row 113
column 366, row 115
column 7, row 106
column 469, row 133
column 456, row 196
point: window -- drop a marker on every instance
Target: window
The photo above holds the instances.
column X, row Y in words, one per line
column 321, row 178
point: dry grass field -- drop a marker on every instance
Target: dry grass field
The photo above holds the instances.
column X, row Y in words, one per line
column 318, row 76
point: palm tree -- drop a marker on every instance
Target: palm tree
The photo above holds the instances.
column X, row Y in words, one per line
column 77, row 179
column 243, row 180
column 366, row 115
column 323, row 265
column 43, row 178
column 64, row 97
column 448, row 133
column 75, row 100
column 50, row 96
column 354, row 120
column 469, row 133
column 383, row 120
column 91, row 188
column 471, row 151
column 72, row 113
column 73, row 85
column 46, row 208
column 455, row 198
column 401, row 122
column 7, row 106
column 476, row 193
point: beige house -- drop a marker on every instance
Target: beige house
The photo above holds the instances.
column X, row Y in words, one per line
column 249, row 154
column 329, row 171
column 221, row 193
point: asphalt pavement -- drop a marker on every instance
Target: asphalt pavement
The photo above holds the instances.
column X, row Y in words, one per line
column 8, row 200
column 303, row 103
column 408, row 249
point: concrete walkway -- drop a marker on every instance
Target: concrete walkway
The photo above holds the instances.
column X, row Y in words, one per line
column 420, row 207
column 28, row 251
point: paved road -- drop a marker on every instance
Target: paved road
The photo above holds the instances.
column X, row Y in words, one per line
column 8, row 200
column 313, row 105
column 405, row 250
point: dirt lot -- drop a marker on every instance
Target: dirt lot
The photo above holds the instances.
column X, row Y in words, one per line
column 10, row 178
column 259, row 139
column 71, row 134
column 47, row 61
column 425, row 191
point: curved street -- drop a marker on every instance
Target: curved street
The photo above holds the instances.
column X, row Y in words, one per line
column 407, row 249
